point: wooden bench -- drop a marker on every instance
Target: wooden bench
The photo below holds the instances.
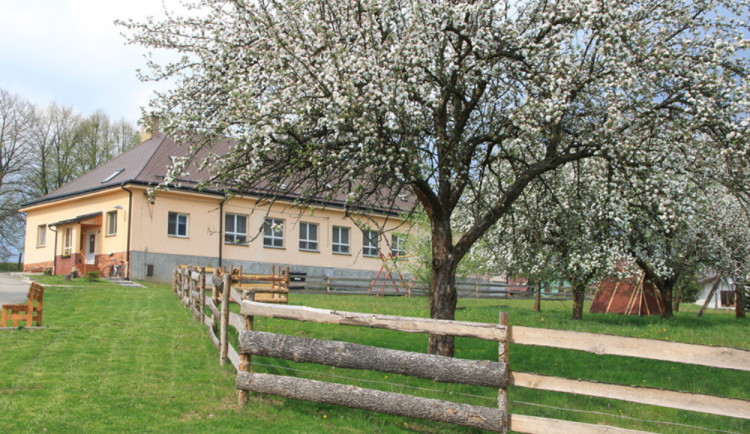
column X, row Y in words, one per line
column 29, row 312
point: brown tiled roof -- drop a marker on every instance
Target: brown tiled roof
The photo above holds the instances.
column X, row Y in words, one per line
column 147, row 163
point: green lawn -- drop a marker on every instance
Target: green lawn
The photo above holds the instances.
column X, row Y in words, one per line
column 132, row 360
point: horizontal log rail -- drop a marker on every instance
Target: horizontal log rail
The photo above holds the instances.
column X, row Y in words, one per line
column 643, row 395
column 374, row 400
column 492, row 332
column 535, row 424
column 355, row 356
column 705, row 355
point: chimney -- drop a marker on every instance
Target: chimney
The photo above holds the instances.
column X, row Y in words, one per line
column 149, row 127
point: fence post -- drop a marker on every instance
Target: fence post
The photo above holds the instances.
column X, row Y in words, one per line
column 244, row 366
column 218, row 274
column 502, row 356
column 226, row 292
column 202, row 288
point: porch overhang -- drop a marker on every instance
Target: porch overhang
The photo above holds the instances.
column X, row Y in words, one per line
column 94, row 218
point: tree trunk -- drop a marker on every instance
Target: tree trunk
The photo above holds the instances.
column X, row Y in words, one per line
column 665, row 287
column 579, row 291
column 537, row 296
column 443, row 295
column 443, row 299
column 739, row 298
column 666, row 299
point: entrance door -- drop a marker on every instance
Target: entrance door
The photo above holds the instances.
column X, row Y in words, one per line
column 91, row 247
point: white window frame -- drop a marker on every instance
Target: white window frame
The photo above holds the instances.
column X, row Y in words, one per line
column 307, row 242
column 338, row 246
column 398, row 245
column 369, row 249
column 111, row 223
column 273, row 233
column 232, row 237
column 68, row 242
column 41, row 236
column 177, row 233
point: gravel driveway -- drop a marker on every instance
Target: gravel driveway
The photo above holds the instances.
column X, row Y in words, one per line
column 13, row 289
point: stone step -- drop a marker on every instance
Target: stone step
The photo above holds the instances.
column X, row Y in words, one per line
column 125, row 283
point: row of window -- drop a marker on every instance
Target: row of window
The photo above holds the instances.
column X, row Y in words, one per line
column 235, row 232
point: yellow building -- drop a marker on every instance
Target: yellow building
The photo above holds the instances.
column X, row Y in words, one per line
column 107, row 218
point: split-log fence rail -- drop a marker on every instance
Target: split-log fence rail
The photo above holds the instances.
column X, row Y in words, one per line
column 191, row 285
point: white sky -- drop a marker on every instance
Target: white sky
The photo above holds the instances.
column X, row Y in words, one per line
column 70, row 52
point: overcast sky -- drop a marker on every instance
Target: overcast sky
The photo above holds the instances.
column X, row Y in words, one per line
column 70, row 52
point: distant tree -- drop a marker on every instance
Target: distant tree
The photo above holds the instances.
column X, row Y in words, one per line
column 54, row 140
column 124, row 136
column 100, row 140
column 64, row 144
column 561, row 228
column 667, row 242
column 728, row 222
column 15, row 116
column 95, row 143
column 439, row 99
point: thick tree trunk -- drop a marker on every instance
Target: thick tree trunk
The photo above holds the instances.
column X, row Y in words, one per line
column 579, row 292
column 443, row 299
column 665, row 287
column 443, row 295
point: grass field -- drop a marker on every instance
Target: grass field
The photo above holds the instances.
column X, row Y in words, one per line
column 114, row 359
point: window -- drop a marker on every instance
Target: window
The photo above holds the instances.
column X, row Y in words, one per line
column 41, row 235
column 112, row 223
column 177, row 225
column 398, row 245
column 341, row 240
column 727, row 298
column 308, row 236
column 273, row 233
column 112, row 176
column 235, row 229
column 370, row 243
column 68, row 242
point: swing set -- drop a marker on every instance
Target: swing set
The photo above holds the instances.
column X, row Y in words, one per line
column 387, row 269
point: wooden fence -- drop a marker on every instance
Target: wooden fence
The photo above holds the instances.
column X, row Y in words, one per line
column 466, row 288
column 201, row 290
column 495, row 374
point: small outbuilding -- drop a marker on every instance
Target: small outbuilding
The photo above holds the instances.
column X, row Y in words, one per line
column 717, row 292
column 631, row 296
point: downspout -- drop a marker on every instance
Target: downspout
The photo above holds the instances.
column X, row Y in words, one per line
column 130, row 219
column 221, row 230
column 54, row 252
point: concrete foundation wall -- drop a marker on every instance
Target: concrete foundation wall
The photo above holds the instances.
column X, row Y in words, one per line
column 163, row 264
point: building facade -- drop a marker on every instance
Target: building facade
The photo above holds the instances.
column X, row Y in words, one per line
column 111, row 218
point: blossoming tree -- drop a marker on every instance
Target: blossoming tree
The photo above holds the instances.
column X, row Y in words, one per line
column 438, row 99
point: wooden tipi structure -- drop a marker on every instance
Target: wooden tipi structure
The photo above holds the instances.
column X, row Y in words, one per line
column 630, row 296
